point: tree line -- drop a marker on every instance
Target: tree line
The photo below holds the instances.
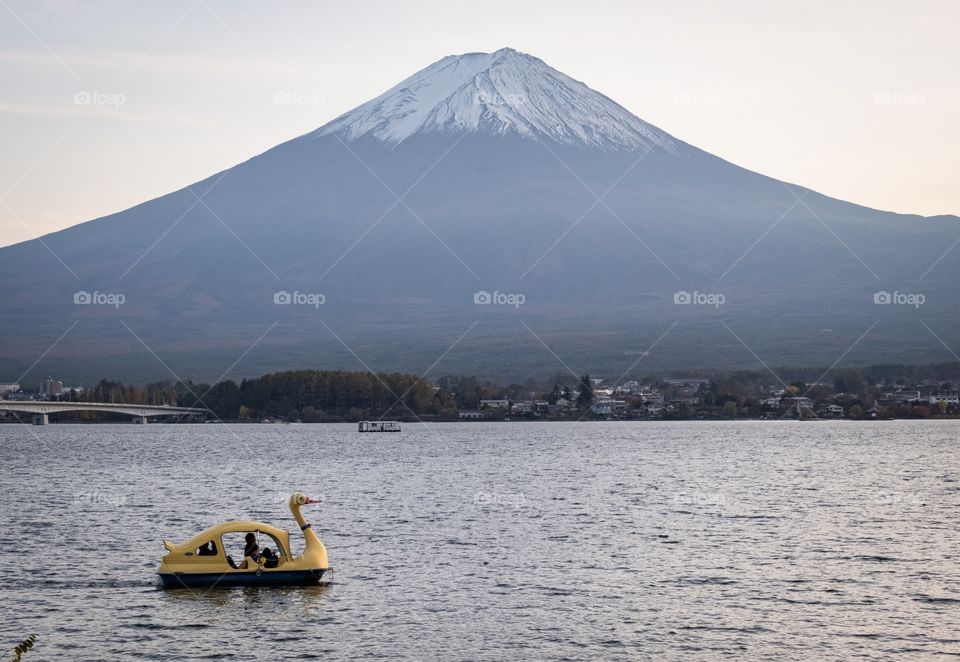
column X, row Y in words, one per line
column 307, row 395
column 338, row 395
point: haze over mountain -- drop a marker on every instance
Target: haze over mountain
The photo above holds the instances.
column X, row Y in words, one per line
column 484, row 172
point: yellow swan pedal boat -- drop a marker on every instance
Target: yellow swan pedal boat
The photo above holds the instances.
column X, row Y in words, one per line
column 205, row 560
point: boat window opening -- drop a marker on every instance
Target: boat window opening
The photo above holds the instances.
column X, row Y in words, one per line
column 235, row 545
column 208, row 548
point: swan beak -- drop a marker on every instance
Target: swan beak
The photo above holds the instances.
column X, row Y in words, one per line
column 309, row 500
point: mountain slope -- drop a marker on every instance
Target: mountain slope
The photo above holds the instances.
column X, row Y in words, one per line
column 480, row 173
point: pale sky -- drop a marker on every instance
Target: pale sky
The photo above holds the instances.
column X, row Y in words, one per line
column 106, row 104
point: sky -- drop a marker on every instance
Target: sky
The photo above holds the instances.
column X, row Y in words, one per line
column 106, row 104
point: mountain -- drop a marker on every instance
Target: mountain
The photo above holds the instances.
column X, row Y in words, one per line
column 483, row 173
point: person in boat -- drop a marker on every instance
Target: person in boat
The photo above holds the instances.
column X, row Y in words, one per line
column 269, row 558
column 252, row 549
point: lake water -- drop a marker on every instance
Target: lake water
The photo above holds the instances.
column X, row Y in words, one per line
column 495, row 541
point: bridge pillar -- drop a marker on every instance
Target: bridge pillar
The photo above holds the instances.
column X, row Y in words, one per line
column 142, row 420
column 41, row 419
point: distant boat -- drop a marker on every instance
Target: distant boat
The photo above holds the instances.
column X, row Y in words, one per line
column 379, row 426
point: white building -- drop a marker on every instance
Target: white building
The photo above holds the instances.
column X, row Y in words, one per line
column 833, row 411
column 952, row 399
column 522, row 407
column 51, row 387
column 687, row 383
column 606, row 406
column 903, row 396
column 653, row 397
column 654, row 409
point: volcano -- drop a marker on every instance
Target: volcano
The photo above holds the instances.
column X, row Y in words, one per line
column 488, row 215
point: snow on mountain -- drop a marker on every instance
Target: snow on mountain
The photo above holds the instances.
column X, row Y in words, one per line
column 499, row 93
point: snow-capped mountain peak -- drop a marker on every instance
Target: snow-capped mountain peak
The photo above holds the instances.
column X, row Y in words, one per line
column 499, row 93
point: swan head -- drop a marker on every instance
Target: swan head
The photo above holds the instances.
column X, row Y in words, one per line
column 300, row 499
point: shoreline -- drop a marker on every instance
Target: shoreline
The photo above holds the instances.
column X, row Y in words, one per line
column 518, row 421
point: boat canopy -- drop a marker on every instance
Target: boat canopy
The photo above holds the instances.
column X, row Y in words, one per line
column 238, row 526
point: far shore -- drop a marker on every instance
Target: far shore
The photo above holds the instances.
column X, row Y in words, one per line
column 427, row 421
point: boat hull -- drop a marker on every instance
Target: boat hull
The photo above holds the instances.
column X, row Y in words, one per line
column 242, row 578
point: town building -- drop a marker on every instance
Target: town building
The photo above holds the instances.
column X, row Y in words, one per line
column 799, row 405
column 830, row 411
column 693, row 384
column 652, row 403
column 51, row 388
column 522, row 407
column 952, row 399
column 494, row 404
column 607, row 406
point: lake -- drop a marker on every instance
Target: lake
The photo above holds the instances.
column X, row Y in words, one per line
column 495, row 541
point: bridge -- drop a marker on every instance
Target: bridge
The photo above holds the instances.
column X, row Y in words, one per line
column 41, row 410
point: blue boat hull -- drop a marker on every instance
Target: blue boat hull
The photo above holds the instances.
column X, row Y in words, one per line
column 251, row 578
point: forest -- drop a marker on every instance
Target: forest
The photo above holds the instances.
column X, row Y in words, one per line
column 312, row 396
